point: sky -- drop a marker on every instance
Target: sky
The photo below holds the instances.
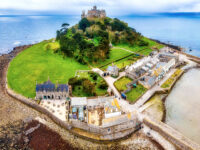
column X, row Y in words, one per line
column 112, row 7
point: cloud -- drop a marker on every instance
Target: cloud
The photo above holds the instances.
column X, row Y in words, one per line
column 113, row 7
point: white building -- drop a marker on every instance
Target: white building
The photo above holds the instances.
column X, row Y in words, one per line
column 169, row 65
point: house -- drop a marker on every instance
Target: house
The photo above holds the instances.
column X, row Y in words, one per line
column 113, row 70
column 50, row 91
column 148, row 81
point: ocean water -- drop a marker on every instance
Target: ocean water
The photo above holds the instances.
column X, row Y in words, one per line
column 181, row 29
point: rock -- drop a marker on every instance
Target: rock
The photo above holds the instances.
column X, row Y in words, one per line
column 26, row 140
column 28, row 119
column 31, row 129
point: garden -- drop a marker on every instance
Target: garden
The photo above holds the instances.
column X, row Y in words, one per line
column 135, row 93
column 88, row 83
column 121, row 83
column 173, row 77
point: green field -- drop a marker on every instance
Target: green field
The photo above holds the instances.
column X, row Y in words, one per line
column 135, row 93
column 121, row 84
column 37, row 64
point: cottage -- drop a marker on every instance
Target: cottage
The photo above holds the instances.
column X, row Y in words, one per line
column 50, row 91
column 113, row 70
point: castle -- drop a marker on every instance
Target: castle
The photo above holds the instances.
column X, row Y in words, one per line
column 94, row 13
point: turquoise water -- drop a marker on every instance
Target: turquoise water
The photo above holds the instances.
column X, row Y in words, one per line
column 181, row 29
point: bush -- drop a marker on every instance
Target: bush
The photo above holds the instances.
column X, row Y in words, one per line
column 143, row 43
column 103, row 85
column 88, row 87
column 93, row 75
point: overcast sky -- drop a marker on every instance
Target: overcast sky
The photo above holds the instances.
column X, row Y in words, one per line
column 113, row 7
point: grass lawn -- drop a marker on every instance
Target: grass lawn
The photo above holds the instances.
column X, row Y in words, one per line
column 135, row 93
column 115, row 54
column 78, row 91
column 143, row 50
column 37, row 64
column 171, row 79
column 124, row 62
column 121, row 83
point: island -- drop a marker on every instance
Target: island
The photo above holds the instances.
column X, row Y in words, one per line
column 102, row 80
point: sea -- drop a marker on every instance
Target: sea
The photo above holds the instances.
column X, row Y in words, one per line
column 181, row 29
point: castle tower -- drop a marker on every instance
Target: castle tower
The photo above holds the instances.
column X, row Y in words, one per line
column 83, row 15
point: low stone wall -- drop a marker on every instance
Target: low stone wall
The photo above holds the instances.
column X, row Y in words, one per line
column 171, row 135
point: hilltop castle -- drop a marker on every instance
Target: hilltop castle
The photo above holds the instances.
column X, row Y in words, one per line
column 94, row 13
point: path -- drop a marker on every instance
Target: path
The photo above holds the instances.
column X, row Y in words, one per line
column 125, row 50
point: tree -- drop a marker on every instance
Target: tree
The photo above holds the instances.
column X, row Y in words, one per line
column 88, row 87
column 103, row 85
column 83, row 24
column 62, row 31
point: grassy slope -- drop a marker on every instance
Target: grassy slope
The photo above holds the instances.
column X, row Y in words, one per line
column 36, row 64
column 115, row 54
column 143, row 50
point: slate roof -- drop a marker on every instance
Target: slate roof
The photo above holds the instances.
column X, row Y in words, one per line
column 62, row 87
column 50, row 87
column 112, row 68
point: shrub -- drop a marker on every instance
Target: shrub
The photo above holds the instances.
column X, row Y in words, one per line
column 103, row 85
column 143, row 43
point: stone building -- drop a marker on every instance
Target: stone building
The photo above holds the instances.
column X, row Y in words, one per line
column 94, row 13
column 113, row 70
column 48, row 90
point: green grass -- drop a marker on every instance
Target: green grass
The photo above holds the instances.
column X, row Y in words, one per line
column 37, row 64
column 53, row 46
column 171, row 79
column 121, row 83
column 78, row 90
column 143, row 50
column 135, row 93
column 115, row 54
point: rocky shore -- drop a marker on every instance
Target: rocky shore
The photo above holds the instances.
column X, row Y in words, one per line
column 13, row 123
